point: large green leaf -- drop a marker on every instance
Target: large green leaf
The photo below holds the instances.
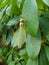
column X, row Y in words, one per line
column 47, row 51
column 30, row 15
column 19, row 37
column 32, row 62
column 33, row 45
column 46, row 2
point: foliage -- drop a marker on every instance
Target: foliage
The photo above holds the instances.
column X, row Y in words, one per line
column 24, row 32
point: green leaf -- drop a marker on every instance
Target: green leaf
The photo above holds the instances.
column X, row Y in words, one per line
column 23, row 62
column 5, row 19
column 8, row 10
column 33, row 45
column 1, row 14
column 22, row 52
column 45, row 14
column 1, row 28
column 3, row 38
column 9, row 37
column 19, row 3
column 5, row 51
column 1, row 53
column 21, row 6
column 47, row 51
column 44, row 25
column 32, row 62
column 12, row 63
column 40, row 4
column 13, row 21
column 46, row 2
column 15, row 10
column 13, row 3
column 9, row 58
column 0, row 2
column 4, row 3
column 15, row 56
column 18, row 64
column 42, row 57
column 30, row 15
column 19, row 37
